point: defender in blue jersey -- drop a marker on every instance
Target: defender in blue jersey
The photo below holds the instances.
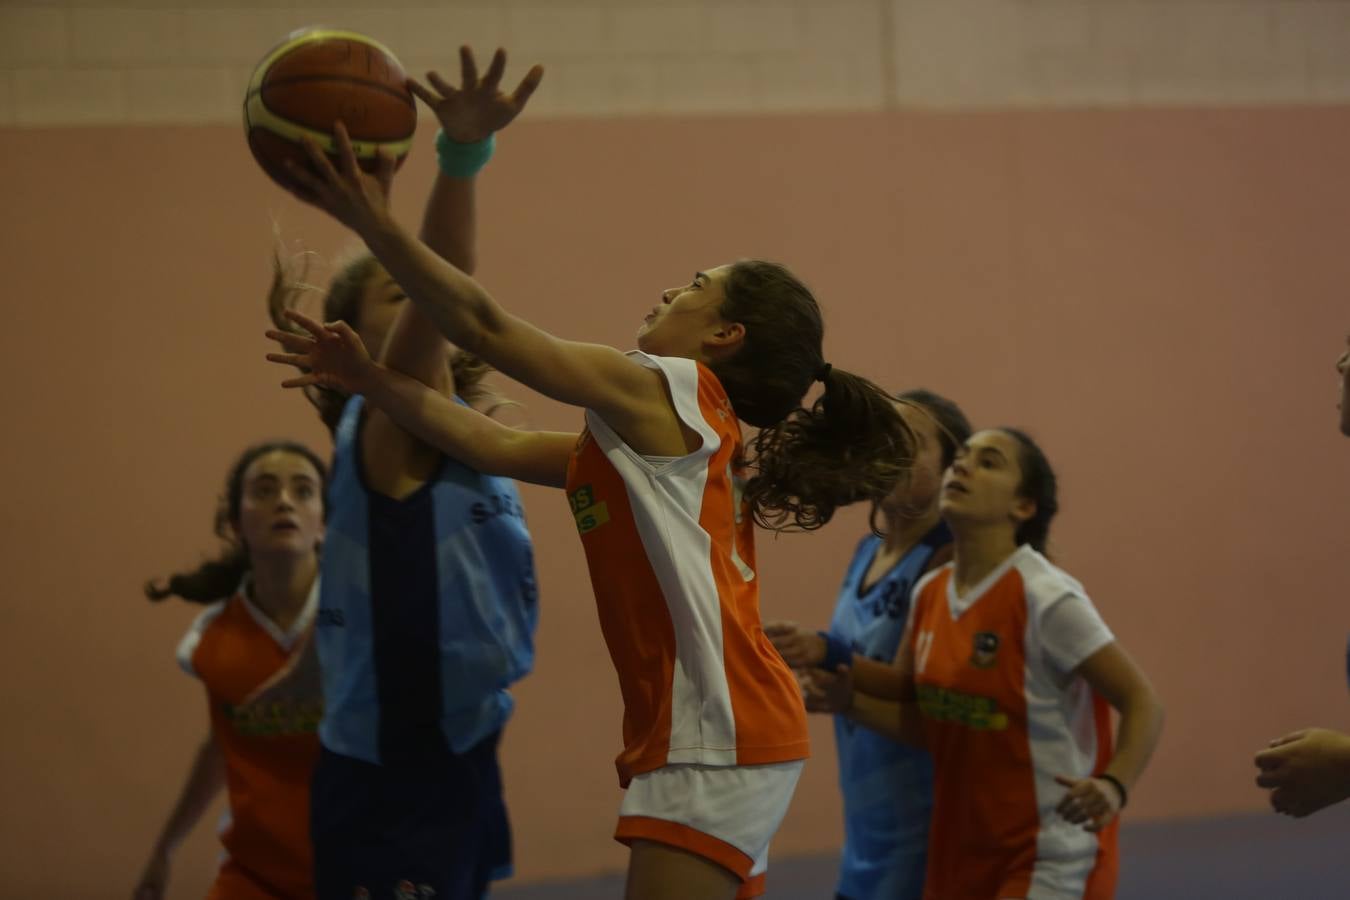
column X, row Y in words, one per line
column 426, row 616
column 428, row 607
column 887, row 786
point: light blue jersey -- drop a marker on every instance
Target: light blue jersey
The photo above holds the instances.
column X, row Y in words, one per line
column 427, row 609
column 887, row 787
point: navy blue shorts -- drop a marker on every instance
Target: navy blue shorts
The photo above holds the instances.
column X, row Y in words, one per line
column 411, row 831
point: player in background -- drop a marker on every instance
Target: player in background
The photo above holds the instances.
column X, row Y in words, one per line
column 887, row 786
column 251, row 649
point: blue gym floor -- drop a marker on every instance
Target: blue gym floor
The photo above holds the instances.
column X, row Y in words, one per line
column 1250, row 857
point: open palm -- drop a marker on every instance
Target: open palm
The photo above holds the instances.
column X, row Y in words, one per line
column 478, row 107
column 330, row 355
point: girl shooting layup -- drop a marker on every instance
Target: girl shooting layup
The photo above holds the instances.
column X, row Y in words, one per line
column 714, row 729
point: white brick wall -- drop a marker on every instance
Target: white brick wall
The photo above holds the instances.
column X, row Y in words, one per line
column 69, row 96
column 34, row 36
column 98, row 61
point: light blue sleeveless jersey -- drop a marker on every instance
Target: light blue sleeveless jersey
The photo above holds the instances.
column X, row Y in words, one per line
column 887, row 787
column 427, row 609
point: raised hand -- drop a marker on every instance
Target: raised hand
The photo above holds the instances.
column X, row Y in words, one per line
column 801, row 648
column 330, row 356
column 357, row 199
column 478, row 107
column 1090, row 802
column 827, row 692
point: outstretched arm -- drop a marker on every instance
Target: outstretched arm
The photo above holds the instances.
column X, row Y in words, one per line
column 335, row 357
column 470, row 113
column 469, row 116
column 629, row 396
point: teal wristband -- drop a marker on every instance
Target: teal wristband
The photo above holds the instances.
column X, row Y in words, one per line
column 463, row 160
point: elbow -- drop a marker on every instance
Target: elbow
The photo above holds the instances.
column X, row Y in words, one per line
column 466, row 260
column 1145, row 706
column 1153, row 703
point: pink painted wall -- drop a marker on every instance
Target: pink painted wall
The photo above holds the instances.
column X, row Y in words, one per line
column 1159, row 296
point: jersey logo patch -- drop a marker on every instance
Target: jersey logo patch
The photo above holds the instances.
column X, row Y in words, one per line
column 589, row 514
column 986, row 650
column 971, row 710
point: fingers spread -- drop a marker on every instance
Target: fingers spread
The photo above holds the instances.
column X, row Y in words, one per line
column 296, row 343
column 441, row 85
column 346, row 153
column 496, row 69
column 528, row 85
column 299, row 360
column 312, row 326
column 306, row 185
column 422, row 92
column 468, row 67
column 384, row 169
column 323, row 166
column 344, row 331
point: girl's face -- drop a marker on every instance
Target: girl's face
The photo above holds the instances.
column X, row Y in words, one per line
column 914, row 497
column 688, row 322
column 381, row 299
column 281, row 507
column 1343, row 369
column 981, row 485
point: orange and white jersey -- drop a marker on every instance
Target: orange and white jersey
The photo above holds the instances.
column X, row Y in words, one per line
column 1003, row 715
column 263, row 688
column 670, row 547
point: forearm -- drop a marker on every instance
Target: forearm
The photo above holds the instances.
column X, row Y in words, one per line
column 450, row 221
column 878, row 679
column 478, row 441
column 1141, row 722
column 890, row 718
column 461, row 310
column 204, row 782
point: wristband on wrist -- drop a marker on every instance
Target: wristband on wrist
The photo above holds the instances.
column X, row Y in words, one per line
column 463, row 160
column 837, row 652
column 1120, row 788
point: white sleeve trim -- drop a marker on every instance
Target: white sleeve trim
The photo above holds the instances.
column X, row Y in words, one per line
column 187, row 647
column 1071, row 631
column 681, row 377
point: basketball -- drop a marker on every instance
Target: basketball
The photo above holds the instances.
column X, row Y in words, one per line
column 319, row 76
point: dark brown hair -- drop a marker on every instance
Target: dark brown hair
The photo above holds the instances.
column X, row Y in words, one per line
column 1040, row 486
column 850, row 445
column 343, row 301
column 953, row 427
column 219, row 577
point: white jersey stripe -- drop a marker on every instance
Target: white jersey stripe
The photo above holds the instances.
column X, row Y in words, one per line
column 667, row 501
column 1061, row 731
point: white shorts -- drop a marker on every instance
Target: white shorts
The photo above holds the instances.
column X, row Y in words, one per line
column 726, row 814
